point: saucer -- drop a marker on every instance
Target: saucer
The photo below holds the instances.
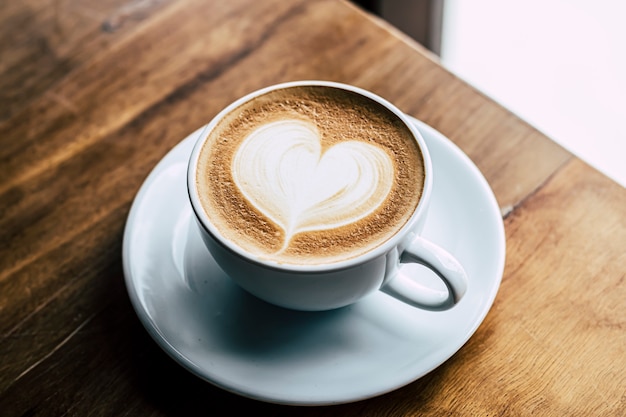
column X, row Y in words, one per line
column 231, row 339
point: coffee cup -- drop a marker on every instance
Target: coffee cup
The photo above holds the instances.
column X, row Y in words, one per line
column 311, row 195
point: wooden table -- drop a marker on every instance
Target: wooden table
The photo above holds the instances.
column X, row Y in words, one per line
column 94, row 93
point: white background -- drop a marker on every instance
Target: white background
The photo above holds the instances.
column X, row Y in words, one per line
column 558, row 64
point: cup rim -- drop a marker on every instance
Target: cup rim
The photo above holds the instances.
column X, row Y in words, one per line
column 374, row 253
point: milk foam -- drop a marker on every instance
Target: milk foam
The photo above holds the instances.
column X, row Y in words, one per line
column 282, row 170
column 309, row 175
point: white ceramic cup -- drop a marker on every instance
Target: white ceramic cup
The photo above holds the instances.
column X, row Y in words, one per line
column 334, row 285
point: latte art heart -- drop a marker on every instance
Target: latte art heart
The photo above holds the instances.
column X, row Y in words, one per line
column 283, row 172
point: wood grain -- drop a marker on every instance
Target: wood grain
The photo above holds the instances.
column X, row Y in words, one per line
column 93, row 94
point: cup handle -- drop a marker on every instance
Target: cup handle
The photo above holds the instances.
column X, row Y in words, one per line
column 440, row 261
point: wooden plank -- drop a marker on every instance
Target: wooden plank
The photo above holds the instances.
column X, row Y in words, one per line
column 75, row 150
column 554, row 342
column 43, row 42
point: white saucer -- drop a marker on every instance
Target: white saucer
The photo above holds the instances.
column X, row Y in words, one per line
column 243, row 345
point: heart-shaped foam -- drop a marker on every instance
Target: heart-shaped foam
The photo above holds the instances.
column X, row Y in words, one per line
column 282, row 172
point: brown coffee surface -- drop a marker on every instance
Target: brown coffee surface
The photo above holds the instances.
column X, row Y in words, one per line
column 339, row 116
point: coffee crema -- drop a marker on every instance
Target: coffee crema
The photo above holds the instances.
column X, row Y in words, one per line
column 309, row 175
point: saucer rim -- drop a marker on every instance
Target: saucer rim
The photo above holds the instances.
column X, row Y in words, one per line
column 162, row 340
